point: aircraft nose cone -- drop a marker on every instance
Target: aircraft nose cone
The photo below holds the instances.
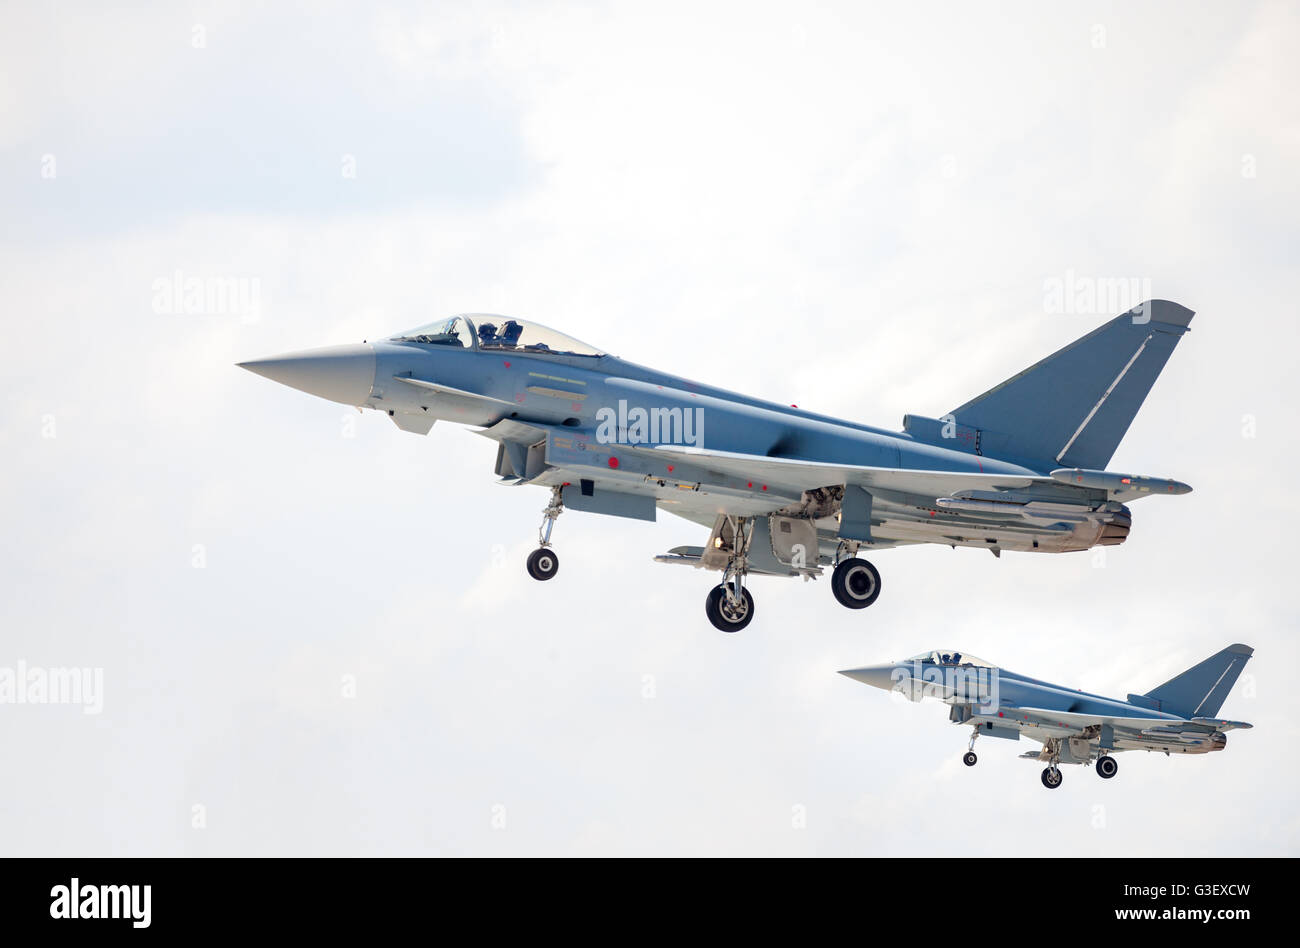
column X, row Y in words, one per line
column 878, row 676
column 340, row 373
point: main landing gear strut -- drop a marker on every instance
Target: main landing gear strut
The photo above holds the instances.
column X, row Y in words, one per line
column 543, row 563
column 729, row 605
column 1052, row 776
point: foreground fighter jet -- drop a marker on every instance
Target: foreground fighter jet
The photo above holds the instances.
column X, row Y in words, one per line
column 784, row 492
column 1073, row 727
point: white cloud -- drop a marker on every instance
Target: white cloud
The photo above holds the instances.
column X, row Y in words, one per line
column 745, row 198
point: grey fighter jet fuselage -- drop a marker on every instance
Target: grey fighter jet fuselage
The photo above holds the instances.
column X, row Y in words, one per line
column 1179, row 717
column 783, row 491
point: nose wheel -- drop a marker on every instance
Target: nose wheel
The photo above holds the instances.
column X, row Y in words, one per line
column 1052, row 777
column 544, row 563
column 969, row 759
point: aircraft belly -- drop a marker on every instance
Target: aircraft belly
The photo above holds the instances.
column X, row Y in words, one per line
column 700, row 505
column 1078, row 746
column 1031, row 728
column 688, row 486
column 704, row 507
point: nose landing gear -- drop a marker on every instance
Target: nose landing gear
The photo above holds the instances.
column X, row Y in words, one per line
column 969, row 758
column 544, row 563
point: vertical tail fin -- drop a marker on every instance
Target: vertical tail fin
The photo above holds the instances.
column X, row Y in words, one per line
column 1201, row 690
column 1072, row 408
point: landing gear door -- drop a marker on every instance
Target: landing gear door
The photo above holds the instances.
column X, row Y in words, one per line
column 794, row 541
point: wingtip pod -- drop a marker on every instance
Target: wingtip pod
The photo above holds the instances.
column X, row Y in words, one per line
column 1119, row 483
column 1222, row 725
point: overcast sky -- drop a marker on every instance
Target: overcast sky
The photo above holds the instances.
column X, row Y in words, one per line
column 315, row 631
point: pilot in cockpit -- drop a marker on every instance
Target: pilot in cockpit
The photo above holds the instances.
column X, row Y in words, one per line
column 511, row 332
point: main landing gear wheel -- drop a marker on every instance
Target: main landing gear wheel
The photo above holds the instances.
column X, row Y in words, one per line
column 856, row 583
column 1052, row 778
column 726, row 614
column 1107, row 767
column 969, row 759
column 543, row 564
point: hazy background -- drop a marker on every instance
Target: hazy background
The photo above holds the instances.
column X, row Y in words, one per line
column 316, row 632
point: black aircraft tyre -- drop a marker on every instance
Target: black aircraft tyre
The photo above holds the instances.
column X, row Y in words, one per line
column 1107, row 767
column 855, row 583
column 969, row 759
column 1052, row 777
column 723, row 615
column 543, row 564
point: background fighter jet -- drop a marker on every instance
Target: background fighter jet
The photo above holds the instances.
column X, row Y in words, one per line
column 784, row 492
column 1073, row 727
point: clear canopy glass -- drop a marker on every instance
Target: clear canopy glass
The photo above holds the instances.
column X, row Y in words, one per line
column 485, row 331
column 950, row 657
column 456, row 332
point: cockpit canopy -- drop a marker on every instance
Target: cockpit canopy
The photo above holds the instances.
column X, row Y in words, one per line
column 948, row 656
column 485, row 331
